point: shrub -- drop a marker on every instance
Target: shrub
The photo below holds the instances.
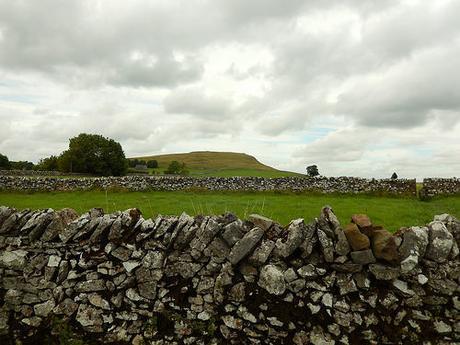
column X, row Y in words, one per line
column 153, row 164
column 4, row 162
column 48, row 164
column 176, row 168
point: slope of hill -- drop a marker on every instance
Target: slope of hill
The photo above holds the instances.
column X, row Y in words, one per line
column 225, row 164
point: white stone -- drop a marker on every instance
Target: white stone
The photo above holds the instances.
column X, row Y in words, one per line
column 130, row 265
column 133, row 295
column 43, row 309
column 204, row 315
column 54, row 261
column 327, row 300
column 109, row 247
column 13, row 259
column 422, row 279
column 107, row 318
column 272, row 279
column 442, row 327
column 414, row 325
column 275, row 322
column 402, row 286
column 33, row 321
column 456, row 302
column 246, row 315
column 314, row 308
column 409, row 263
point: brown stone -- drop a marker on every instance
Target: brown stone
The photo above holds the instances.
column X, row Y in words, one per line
column 363, row 222
column 357, row 240
column 384, row 245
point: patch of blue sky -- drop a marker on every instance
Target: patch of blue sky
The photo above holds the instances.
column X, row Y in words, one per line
column 423, row 152
column 25, row 99
column 316, row 133
column 304, row 137
column 11, row 83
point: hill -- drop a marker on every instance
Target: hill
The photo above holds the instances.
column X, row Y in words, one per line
column 209, row 163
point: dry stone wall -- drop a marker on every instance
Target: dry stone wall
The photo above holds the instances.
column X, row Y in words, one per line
column 440, row 186
column 16, row 172
column 172, row 183
column 212, row 280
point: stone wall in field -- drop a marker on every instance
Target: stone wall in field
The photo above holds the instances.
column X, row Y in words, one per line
column 213, row 280
column 172, row 183
column 440, row 186
column 14, row 172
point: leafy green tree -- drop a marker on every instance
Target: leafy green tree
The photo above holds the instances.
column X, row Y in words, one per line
column 394, row 176
column 132, row 163
column 22, row 165
column 48, row 164
column 312, row 171
column 176, row 168
column 4, row 162
column 153, row 164
column 93, row 154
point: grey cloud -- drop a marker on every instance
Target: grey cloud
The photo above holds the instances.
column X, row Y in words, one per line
column 193, row 101
column 144, row 73
column 343, row 145
column 397, row 73
column 165, row 72
column 407, row 94
column 411, row 27
column 55, row 37
column 241, row 11
column 51, row 36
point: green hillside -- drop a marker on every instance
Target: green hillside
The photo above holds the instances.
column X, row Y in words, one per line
column 225, row 164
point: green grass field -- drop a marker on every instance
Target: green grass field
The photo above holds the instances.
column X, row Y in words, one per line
column 391, row 212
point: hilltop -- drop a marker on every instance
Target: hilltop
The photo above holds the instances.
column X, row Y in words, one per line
column 209, row 163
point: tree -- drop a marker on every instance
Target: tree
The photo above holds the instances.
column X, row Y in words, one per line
column 132, row 163
column 4, row 162
column 22, row 165
column 176, row 168
column 312, row 170
column 93, row 154
column 48, row 164
column 152, row 164
column 394, row 176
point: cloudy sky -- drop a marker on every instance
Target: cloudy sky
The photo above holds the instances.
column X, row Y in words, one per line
column 359, row 88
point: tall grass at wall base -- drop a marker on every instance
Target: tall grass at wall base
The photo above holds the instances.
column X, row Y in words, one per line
column 390, row 211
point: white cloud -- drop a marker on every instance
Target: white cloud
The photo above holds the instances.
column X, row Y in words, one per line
column 360, row 88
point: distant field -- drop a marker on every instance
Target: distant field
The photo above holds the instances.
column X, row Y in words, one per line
column 391, row 212
column 222, row 164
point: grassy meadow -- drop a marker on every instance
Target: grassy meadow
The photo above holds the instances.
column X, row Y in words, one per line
column 391, row 212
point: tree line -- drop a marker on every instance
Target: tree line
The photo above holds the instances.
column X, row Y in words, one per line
column 96, row 155
column 91, row 154
column 87, row 153
column 6, row 164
